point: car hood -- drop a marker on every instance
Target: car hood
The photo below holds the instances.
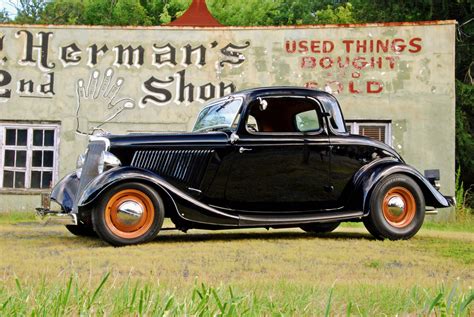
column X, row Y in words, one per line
column 151, row 139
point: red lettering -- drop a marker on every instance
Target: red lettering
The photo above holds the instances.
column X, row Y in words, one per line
column 391, row 61
column 398, row 47
column 315, row 46
column 415, row 47
column 303, row 46
column 292, row 48
column 382, row 46
column 328, row 46
column 346, row 62
column 370, row 87
column 359, row 62
column 352, row 90
column 361, row 46
column 308, row 62
column 348, row 44
column 324, row 64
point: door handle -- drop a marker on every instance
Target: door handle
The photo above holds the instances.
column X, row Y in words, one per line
column 244, row 149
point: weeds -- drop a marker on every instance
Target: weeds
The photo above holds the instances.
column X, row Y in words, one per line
column 463, row 198
column 147, row 299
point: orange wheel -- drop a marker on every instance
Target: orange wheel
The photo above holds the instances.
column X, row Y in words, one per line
column 129, row 213
column 399, row 207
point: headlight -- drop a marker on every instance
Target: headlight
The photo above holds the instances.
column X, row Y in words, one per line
column 107, row 161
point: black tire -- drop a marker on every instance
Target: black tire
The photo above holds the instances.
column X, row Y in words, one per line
column 323, row 227
column 396, row 223
column 81, row 230
column 114, row 227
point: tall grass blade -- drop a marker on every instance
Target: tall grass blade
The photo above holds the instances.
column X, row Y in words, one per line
column 328, row 305
column 218, row 301
column 97, row 290
column 465, row 303
column 435, row 302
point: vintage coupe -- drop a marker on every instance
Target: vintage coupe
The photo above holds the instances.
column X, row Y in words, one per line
column 275, row 157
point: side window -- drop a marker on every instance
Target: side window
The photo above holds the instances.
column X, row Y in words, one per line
column 307, row 121
column 251, row 124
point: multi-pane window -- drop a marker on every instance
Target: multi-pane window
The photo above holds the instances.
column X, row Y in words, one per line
column 28, row 158
column 380, row 131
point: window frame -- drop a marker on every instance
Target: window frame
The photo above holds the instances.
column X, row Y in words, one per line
column 318, row 107
column 29, row 148
column 355, row 124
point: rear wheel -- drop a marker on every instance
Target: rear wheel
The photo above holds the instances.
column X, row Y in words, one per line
column 324, row 227
column 397, row 208
column 129, row 213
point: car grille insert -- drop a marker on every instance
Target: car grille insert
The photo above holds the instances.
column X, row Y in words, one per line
column 183, row 165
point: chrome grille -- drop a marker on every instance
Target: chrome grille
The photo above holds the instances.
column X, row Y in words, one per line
column 90, row 167
column 183, row 165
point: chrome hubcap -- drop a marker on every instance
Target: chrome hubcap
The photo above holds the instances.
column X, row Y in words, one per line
column 130, row 212
column 396, row 206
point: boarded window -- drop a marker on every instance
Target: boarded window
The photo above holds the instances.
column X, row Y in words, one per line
column 380, row 131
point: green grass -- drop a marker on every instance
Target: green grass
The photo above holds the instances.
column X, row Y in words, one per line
column 44, row 270
column 135, row 298
column 17, row 217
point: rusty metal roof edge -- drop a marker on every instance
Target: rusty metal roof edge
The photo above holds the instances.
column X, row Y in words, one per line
column 272, row 27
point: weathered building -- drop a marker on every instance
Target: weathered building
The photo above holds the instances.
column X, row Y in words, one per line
column 395, row 82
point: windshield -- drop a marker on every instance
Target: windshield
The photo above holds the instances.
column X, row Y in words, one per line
column 218, row 116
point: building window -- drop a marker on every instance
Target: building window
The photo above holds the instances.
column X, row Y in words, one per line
column 29, row 156
column 380, row 131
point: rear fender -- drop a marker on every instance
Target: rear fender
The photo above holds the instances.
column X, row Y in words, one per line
column 370, row 175
column 186, row 207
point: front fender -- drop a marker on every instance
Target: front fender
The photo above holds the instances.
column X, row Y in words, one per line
column 371, row 174
column 187, row 207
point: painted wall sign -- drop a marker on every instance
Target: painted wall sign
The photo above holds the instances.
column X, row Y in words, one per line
column 400, row 73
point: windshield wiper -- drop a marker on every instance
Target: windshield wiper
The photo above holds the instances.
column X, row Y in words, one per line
column 229, row 100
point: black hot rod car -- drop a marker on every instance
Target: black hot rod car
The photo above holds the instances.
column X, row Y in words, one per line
column 268, row 157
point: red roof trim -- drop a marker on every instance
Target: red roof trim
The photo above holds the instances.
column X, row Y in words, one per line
column 197, row 15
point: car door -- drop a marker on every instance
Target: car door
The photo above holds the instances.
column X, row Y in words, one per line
column 277, row 168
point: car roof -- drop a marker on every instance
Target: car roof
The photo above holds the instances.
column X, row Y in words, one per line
column 275, row 90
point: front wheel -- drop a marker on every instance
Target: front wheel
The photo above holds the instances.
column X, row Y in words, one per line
column 129, row 213
column 397, row 208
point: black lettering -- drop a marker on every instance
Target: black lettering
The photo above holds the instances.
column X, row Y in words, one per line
column 42, row 48
column 182, row 89
column 164, row 54
column 48, row 87
column 69, row 54
column 226, row 89
column 200, row 51
column 25, row 86
column 232, row 51
column 207, row 92
column 134, row 56
column 95, row 52
column 157, row 93
column 6, row 78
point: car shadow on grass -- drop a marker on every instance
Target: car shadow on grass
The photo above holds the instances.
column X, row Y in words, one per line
column 275, row 235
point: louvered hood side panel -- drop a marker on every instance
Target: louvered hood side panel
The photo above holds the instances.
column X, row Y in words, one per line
column 187, row 166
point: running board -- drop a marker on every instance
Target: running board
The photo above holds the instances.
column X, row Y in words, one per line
column 50, row 216
column 246, row 221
